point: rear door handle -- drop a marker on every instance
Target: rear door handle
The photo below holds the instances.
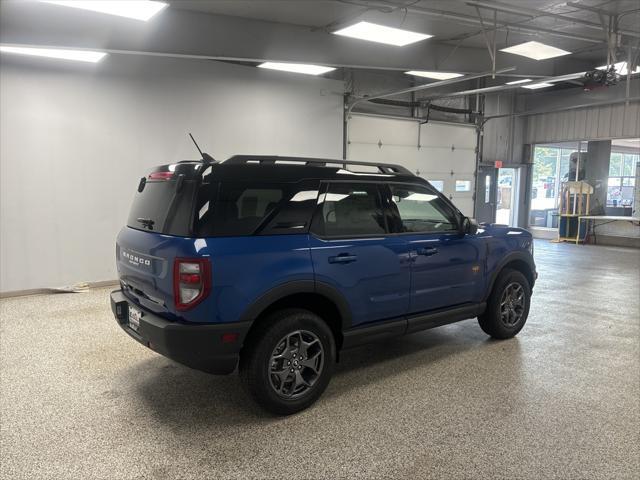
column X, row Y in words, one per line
column 427, row 251
column 343, row 258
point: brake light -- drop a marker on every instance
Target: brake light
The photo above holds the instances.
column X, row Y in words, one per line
column 160, row 176
column 191, row 281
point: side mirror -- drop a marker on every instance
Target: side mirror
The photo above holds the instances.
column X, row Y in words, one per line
column 469, row 226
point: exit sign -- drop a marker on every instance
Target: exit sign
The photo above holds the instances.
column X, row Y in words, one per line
column 498, row 163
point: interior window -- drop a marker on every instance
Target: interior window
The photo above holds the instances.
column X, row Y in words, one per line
column 437, row 184
column 349, row 209
column 421, row 210
column 622, row 172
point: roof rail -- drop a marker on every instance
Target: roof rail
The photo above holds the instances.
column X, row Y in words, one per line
column 320, row 162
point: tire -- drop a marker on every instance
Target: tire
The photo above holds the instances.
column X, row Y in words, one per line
column 270, row 366
column 505, row 321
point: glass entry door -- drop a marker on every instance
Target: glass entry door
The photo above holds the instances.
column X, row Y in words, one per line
column 507, row 196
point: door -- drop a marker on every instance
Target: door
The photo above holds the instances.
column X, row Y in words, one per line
column 443, row 154
column 352, row 252
column 446, row 270
column 486, row 194
column 507, row 201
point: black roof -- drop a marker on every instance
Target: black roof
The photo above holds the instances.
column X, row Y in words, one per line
column 276, row 168
column 322, row 162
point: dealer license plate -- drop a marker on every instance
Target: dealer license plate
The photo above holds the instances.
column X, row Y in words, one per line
column 134, row 318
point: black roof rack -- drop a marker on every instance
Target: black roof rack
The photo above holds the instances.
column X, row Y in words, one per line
column 319, row 162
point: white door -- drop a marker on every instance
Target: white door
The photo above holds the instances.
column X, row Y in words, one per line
column 441, row 153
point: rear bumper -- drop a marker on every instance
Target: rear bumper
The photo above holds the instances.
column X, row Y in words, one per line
column 210, row 348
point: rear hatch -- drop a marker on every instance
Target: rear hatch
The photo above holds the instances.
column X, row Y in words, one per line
column 158, row 230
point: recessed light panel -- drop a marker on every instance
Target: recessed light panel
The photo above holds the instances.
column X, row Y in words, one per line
column 535, row 50
column 535, row 86
column 434, row 75
column 77, row 55
column 136, row 9
column 381, row 34
column 297, row 68
column 516, row 82
column 621, row 68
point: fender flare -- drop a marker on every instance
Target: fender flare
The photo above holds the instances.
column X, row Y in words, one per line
column 294, row 287
column 507, row 259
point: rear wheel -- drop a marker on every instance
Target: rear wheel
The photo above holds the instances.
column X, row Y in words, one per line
column 507, row 306
column 288, row 361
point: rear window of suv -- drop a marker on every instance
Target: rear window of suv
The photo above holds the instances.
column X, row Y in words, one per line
column 164, row 205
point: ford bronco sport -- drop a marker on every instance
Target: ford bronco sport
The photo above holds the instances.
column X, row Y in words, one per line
column 276, row 265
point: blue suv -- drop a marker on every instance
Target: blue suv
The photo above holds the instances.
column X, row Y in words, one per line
column 276, row 265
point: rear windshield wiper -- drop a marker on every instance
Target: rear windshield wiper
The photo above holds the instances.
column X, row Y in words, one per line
column 146, row 222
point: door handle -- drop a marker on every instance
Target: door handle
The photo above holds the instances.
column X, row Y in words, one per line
column 427, row 251
column 343, row 258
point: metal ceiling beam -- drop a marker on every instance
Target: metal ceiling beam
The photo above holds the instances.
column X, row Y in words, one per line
column 590, row 9
column 533, row 13
column 426, row 86
column 473, row 20
column 529, row 113
column 500, row 88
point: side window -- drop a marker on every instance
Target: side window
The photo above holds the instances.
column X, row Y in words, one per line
column 294, row 215
column 257, row 202
column 420, row 210
column 240, row 208
column 349, row 209
column 250, row 208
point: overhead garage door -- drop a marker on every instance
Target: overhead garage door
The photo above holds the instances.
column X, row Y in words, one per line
column 441, row 153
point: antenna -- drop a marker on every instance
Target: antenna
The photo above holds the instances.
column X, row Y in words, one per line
column 206, row 158
column 196, row 144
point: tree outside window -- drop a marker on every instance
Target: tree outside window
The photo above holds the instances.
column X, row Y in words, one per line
column 622, row 168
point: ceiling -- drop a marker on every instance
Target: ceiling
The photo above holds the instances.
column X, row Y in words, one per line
column 451, row 22
column 300, row 31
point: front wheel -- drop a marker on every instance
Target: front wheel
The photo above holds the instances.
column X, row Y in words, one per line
column 508, row 305
column 288, row 361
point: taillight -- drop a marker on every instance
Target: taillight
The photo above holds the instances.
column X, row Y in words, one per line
column 191, row 281
column 160, row 176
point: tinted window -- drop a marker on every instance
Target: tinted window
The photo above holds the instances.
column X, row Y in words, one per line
column 418, row 209
column 248, row 208
column 163, row 206
column 294, row 215
column 349, row 209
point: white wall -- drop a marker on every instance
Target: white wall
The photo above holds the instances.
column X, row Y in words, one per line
column 75, row 139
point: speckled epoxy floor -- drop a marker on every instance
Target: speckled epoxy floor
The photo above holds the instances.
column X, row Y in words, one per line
column 80, row 399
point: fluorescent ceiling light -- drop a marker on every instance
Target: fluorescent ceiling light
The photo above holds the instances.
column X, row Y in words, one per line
column 297, row 68
column 516, row 82
column 535, row 50
column 535, row 86
column 136, row 9
column 434, row 75
column 77, row 55
column 381, row 34
column 621, row 68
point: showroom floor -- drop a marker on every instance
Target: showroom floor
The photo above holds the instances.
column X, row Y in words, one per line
column 80, row 399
